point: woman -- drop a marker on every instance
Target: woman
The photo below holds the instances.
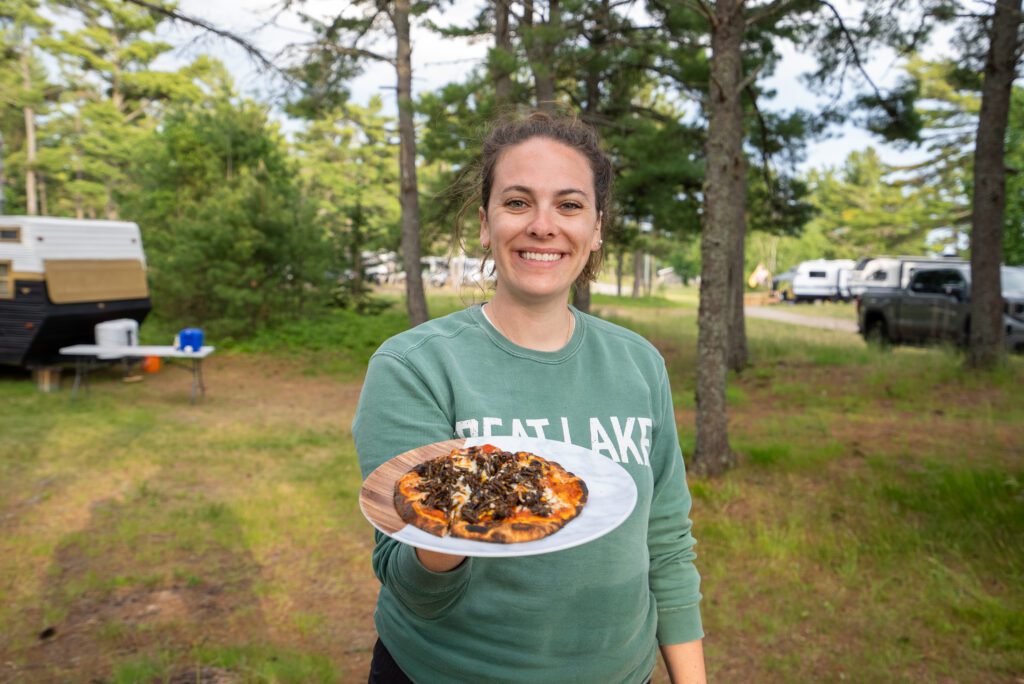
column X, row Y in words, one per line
column 526, row 363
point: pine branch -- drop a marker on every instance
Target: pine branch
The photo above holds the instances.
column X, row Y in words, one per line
column 767, row 10
column 858, row 62
column 358, row 52
column 249, row 48
column 749, row 79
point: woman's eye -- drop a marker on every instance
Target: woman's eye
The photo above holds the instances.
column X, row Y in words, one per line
column 515, row 204
column 571, row 206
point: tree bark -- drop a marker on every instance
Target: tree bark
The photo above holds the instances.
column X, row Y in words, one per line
column 416, row 300
column 638, row 272
column 356, row 253
column 503, row 52
column 738, row 356
column 723, row 190
column 540, row 50
column 31, row 206
column 3, row 178
column 581, row 297
column 581, row 294
column 618, row 271
column 44, row 206
column 986, row 322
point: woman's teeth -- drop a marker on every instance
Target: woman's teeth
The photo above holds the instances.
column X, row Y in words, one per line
column 540, row 256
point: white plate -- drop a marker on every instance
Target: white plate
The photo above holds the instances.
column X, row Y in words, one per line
column 611, row 498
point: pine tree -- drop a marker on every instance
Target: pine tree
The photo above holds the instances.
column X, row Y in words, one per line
column 111, row 102
column 23, row 90
column 335, row 56
column 349, row 177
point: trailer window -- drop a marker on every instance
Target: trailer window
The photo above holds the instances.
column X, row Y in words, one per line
column 816, row 274
column 9, row 234
column 6, row 280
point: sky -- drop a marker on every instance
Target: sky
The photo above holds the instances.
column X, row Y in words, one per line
column 437, row 61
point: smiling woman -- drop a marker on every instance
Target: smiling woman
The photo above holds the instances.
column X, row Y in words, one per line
column 526, row 364
column 541, row 223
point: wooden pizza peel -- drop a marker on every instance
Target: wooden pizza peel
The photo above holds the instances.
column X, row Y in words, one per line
column 377, row 495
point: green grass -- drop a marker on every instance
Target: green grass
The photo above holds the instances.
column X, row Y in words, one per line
column 874, row 526
column 646, row 302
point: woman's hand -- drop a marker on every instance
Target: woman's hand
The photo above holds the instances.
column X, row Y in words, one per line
column 438, row 562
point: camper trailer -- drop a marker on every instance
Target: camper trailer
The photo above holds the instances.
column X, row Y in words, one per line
column 60, row 277
column 887, row 272
column 822, row 279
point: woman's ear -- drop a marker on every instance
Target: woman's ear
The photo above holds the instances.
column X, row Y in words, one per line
column 485, row 233
column 596, row 243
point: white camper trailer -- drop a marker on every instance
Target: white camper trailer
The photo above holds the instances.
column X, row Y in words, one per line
column 886, row 272
column 822, row 279
column 60, row 277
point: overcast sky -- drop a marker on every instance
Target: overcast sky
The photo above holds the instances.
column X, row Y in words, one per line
column 437, row 61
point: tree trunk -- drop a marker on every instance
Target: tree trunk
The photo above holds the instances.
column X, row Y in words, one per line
column 638, row 272
column 648, row 274
column 540, row 50
column 581, row 297
column 31, row 206
column 3, row 178
column 986, row 329
column 356, row 254
column 737, row 354
column 723, row 191
column 44, row 206
column 618, row 271
column 503, row 54
column 416, row 301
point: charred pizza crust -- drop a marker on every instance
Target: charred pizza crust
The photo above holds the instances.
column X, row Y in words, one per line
column 486, row 494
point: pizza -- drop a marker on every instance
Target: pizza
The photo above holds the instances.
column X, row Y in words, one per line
column 487, row 494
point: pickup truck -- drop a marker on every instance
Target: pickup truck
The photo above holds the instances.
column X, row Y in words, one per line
column 935, row 307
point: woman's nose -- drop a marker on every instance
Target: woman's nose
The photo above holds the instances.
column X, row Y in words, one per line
column 543, row 224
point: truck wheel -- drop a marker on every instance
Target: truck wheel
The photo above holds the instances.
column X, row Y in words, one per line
column 876, row 333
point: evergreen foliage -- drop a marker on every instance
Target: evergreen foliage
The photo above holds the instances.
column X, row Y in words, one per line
column 232, row 243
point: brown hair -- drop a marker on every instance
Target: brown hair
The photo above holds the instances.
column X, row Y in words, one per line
column 567, row 130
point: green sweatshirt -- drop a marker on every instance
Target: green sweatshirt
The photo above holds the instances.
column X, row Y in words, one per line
column 593, row 613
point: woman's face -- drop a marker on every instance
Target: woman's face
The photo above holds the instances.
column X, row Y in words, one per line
column 541, row 221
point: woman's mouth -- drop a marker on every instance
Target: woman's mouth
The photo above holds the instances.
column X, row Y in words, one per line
column 541, row 256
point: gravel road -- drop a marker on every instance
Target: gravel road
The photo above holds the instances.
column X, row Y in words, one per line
column 774, row 313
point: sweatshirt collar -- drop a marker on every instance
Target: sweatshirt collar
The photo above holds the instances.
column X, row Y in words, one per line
column 557, row 356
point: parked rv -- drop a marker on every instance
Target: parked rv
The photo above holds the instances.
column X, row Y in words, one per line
column 884, row 272
column 822, row 279
column 60, row 277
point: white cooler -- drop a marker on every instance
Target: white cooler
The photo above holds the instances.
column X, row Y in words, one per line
column 119, row 332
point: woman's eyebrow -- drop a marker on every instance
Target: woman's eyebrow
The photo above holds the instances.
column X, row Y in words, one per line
column 559, row 193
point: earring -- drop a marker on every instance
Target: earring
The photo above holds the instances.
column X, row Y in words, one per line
column 600, row 242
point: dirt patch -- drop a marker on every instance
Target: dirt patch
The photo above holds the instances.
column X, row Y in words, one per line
column 265, row 390
column 102, row 603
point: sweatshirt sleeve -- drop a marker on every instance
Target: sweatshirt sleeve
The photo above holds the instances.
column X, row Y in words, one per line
column 674, row 580
column 397, row 412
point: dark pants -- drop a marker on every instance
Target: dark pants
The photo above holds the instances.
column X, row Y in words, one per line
column 384, row 669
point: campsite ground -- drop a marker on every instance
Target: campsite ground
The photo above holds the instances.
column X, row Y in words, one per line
column 873, row 531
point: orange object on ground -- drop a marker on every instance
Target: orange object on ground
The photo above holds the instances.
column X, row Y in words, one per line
column 151, row 364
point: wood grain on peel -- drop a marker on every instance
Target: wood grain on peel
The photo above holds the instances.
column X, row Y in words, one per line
column 377, row 495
